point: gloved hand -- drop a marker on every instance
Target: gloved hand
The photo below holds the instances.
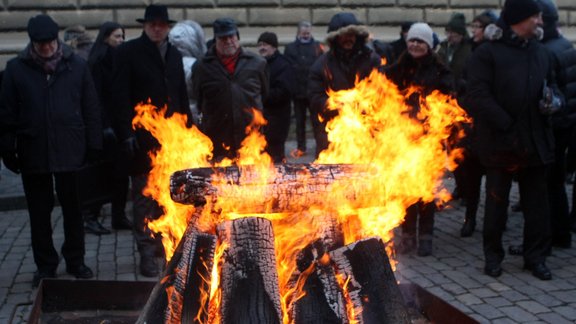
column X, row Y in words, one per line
column 93, row 155
column 550, row 103
column 11, row 161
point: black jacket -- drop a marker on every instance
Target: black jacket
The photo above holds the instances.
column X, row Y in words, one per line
column 302, row 56
column 52, row 120
column 505, row 81
column 143, row 74
column 277, row 107
column 226, row 101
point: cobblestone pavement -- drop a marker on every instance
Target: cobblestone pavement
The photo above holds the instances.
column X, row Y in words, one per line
column 453, row 272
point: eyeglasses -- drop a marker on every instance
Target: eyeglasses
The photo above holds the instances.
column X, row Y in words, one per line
column 476, row 26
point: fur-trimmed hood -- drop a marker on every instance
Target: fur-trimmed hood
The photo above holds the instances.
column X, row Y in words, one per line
column 361, row 32
column 345, row 22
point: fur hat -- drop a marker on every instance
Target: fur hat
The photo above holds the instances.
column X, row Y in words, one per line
column 422, row 32
column 515, row 11
column 457, row 24
column 42, row 28
column 269, row 38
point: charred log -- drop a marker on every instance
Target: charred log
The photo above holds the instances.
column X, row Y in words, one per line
column 195, row 186
column 182, row 271
column 249, row 284
column 372, row 286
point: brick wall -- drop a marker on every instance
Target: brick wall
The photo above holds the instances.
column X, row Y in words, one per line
column 383, row 16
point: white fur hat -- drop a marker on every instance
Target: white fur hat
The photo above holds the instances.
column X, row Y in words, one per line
column 422, row 32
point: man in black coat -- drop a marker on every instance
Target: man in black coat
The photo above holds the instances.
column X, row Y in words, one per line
column 302, row 53
column 348, row 58
column 512, row 94
column 149, row 67
column 277, row 103
column 49, row 113
column 228, row 83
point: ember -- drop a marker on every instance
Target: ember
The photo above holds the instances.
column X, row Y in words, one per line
column 379, row 162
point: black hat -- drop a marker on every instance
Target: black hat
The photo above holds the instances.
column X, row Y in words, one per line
column 224, row 27
column 457, row 24
column 156, row 12
column 42, row 28
column 269, row 38
column 341, row 20
column 515, row 11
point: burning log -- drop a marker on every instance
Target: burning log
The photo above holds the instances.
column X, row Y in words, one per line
column 191, row 261
column 249, row 284
column 310, row 183
column 371, row 286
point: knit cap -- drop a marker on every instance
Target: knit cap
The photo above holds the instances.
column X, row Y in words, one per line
column 515, row 11
column 269, row 38
column 457, row 24
column 42, row 28
column 422, row 32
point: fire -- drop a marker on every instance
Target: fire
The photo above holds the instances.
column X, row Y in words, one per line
column 406, row 158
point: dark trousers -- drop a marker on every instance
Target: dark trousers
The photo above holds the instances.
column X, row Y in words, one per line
column 559, row 210
column 120, row 185
column 145, row 209
column 419, row 220
column 534, row 199
column 301, row 107
column 320, row 134
column 39, row 191
column 473, row 171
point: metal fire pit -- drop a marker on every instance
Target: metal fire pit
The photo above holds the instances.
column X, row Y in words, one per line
column 93, row 301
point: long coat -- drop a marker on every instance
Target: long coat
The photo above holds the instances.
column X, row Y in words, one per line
column 52, row 119
column 225, row 100
column 302, row 55
column 143, row 74
column 505, row 82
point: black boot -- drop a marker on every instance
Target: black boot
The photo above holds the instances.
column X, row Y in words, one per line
column 93, row 226
column 424, row 247
column 468, row 228
column 121, row 223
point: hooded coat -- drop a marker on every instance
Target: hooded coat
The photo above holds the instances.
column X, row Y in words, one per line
column 505, row 80
column 51, row 120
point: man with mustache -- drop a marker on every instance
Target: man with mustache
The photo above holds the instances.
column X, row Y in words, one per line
column 227, row 84
column 337, row 69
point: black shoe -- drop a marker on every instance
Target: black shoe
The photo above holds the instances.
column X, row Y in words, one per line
column 80, row 271
column 424, row 248
column 39, row 275
column 516, row 250
column 149, row 267
column 93, row 226
column 407, row 245
column 539, row 270
column 468, row 228
column 123, row 223
column 493, row 270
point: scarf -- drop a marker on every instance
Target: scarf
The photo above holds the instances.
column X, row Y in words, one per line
column 47, row 64
column 229, row 62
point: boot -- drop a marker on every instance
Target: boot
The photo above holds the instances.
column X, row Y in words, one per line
column 149, row 266
column 424, row 247
column 407, row 244
column 468, row 228
column 121, row 222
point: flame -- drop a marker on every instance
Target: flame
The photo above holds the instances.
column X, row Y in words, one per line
column 407, row 158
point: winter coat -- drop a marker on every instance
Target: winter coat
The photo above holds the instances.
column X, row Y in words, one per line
column 426, row 73
column 302, row 56
column 143, row 74
column 334, row 71
column 455, row 56
column 225, row 101
column 52, row 119
column 505, row 81
column 277, row 107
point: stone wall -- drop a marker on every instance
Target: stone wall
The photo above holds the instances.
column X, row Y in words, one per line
column 383, row 16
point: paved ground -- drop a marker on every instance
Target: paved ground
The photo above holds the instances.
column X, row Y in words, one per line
column 453, row 273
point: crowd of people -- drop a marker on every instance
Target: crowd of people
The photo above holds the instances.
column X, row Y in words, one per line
column 67, row 104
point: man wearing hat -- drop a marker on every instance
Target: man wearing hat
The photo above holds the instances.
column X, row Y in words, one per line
column 228, row 83
column 348, row 58
column 50, row 121
column 277, row 107
column 512, row 94
column 148, row 67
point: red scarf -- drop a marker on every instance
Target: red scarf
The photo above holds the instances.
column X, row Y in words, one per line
column 229, row 62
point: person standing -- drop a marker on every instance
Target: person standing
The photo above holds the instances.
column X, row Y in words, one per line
column 49, row 111
column 228, row 83
column 419, row 67
column 349, row 58
column 277, row 103
column 148, row 68
column 302, row 52
column 512, row 93
column 101, row 63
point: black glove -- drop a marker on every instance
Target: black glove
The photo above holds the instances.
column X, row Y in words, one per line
column 550, row 103
column 93, row 155
column 11, row 161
